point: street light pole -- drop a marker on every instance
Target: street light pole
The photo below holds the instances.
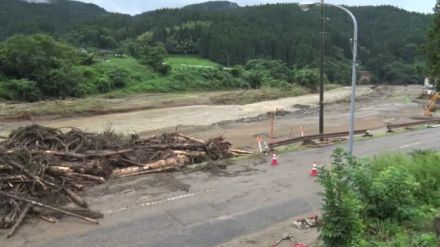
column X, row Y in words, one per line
column 321, row 76
column 307, row 6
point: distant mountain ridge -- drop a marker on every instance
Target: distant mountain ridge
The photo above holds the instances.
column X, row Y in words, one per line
column 213, row 6
column 32, row 16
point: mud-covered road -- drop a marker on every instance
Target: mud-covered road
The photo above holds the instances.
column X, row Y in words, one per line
column 195, row 115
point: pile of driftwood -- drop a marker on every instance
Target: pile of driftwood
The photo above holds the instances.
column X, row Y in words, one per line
column 42, row 169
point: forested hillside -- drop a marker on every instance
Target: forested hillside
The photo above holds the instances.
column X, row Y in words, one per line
column 20, row 17
column 275, row 45
column 389, row 37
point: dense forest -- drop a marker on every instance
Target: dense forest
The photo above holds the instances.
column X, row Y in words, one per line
column 432, row 46
column 390, row 38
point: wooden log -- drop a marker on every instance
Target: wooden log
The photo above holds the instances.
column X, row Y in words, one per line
column 83, row 212
column 73, row 165
column 192, row 138
column 48, row 219
column 77, row 186
column 89, row 167
column 200, row 154
column 19, row 221
column 4, row 167
column 194, row 156
column 176, row 146
column 59, row 170
column 238, row 151
column 166, row 169
column 12, row 178
column 106, row 153
column 76, row 198
column 87, row 176
column 88, row 154
column 87, row 213
column 35, row 203
column 177, row 161
column 63, row 154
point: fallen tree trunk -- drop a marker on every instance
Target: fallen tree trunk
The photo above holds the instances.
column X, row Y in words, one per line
column 12, row 177
column 161, row 164
column 59, row 170
column 76, row 198
column 5, row 168
column 47, row 206
column 190, row 138
column 91, row 177
column 20, row 220
column 178, row 146
column 240, row 152
column 166, row 169
column 83, row 212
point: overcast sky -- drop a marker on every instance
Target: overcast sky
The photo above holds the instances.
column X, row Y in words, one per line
column 139, row 6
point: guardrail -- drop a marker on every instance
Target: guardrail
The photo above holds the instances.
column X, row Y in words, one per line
column 390, row 127
column 314, row 137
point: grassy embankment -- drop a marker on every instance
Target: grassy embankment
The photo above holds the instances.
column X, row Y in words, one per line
column 189, row 82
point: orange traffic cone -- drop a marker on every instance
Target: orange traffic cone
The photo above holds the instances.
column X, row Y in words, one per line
column 300, row 245
column 314, row 171
column 274, row 160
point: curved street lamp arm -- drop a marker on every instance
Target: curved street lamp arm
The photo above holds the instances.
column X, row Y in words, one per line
column 354, row 75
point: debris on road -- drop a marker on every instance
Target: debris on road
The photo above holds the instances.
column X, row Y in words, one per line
column 312, row 221
column 288, row 236
column 305, row 223
column 301, row 224
column 43, row 169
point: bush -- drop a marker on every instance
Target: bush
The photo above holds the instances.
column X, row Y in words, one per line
column 274, row 69
column 21, row 90
column 61, row 83
column 393, row 194
column 308, row 78
column 118, row 78
column 425, row 240
column 399, row 195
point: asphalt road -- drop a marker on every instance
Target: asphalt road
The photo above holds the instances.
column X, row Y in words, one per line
column 203, row 209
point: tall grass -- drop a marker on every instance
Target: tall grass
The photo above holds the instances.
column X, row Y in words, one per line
column 189, row 61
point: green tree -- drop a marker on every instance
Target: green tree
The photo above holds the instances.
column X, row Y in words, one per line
column 432, row 45
column 308, row 78
column 20, row 90
column 150, row 53
column 41, row 59
column 92, row 36
column 341, row 208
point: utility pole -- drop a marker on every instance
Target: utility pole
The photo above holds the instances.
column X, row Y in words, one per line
column 321, row 78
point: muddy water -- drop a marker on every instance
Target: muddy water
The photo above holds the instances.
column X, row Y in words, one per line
column 197, row 115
